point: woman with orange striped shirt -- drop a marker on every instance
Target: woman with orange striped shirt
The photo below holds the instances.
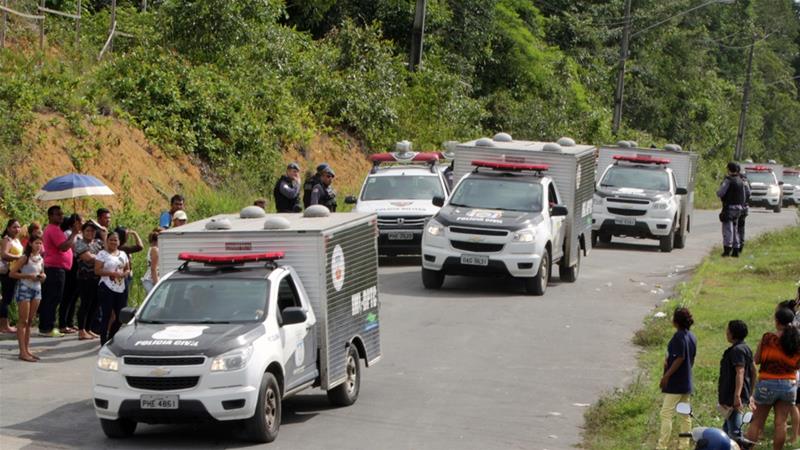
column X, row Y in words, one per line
column 778, row 355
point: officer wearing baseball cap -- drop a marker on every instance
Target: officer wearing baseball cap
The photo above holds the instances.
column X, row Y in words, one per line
column 312, row 181
column 287, row 190
column 323, row 193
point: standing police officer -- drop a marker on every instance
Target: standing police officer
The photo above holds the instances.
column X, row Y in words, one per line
column 311, row 182
column 745, row 211
column 287, row 190
column 733, row 195
column 323, row 193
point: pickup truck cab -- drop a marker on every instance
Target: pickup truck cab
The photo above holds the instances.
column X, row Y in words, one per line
column 765, row 186
column 791, row 187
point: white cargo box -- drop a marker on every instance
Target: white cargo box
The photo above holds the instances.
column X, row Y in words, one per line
column 335, row 257
column 571, row 168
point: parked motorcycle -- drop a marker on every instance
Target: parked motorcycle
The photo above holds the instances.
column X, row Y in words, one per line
column 707, row 438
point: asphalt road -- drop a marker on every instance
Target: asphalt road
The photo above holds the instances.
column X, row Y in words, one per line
column 477, row 365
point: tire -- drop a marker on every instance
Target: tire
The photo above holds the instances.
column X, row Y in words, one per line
column 346, row 393
column 118, row 429
column 537, row 285
column 594, row 239
column 667, row 242
column 266, row 421
column 680, row 237
column 777, row 208
column 432, row 279
column 605, row 238
column 570, row 274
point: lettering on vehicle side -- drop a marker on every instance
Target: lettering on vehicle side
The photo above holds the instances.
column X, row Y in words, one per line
column 364, row 300
column 172, row 342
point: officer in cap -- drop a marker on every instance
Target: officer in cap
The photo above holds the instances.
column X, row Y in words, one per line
column 287, row 190
column 323, row 193
column 733, row 194
column 312, row 181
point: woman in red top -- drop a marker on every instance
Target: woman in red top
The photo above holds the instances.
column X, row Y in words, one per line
column 778, row 355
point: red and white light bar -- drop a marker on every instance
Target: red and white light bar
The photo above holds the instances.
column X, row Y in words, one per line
column 511, row 166
column 759, row 169
column 791, row 171
column 642, row 159
column 229, row 259
column 404, row 157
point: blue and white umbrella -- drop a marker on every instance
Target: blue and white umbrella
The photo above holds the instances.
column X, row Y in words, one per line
column 72, row 185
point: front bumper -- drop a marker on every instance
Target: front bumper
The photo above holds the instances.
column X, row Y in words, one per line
column 643, row 226
column 389, row 245
column 516, row 260
column 764, row 201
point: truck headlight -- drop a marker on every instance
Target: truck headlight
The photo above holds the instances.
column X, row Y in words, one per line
column 524, row 236
column 597, row 204
column 434, row 228
column 107, row 361
column 232, row 360
column 661, row 204
column 774, row 190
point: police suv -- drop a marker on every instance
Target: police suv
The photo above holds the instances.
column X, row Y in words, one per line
column 645, row 193
column 519, row 208
column 253, row 309
column 399, row 190
column 791, row 187
column 766, row 181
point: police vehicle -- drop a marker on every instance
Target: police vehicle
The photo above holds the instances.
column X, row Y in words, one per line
column 766, row 181
column 791, row 187
column 518, row 208
column 399, row 190
column 252, row 309
column 645, row 193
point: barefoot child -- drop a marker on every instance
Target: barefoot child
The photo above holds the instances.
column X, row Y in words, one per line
column 29, row 269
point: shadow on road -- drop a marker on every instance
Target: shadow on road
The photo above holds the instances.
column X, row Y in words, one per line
column 626, row 246
column 398, row 261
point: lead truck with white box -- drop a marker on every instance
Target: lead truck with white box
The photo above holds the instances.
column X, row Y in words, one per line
column 519, row 208
column 251, row 309
column 645, row 193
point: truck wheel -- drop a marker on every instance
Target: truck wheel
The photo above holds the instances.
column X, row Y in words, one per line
column 680, row 238
column 777, row 208
column 263, row 426
column 346, row 393
column 569, row 274
column 118, row 429
column 594, row 239
column 432, row 279
column 605, row 238
column 537, row 284
column 667, row 242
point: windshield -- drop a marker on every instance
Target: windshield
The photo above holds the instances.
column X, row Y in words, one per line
column 402, row 187
column 207, row 300
column 761, row 177
column 791, row 178
column 636, row 177
column 502, row 194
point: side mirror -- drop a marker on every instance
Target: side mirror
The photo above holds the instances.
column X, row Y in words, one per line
column 684, row 409
column 682, row 191
column 293, row 315
column 126, row 314
column 438, row 201
column 558, row 211
column 748, row 417
column 350, row 200
column 780, row 183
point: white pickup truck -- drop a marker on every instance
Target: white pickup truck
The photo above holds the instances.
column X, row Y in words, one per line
column 766, row 185
column 644, row 193
column 519, row 208
column 791, row 187
column 251, row 310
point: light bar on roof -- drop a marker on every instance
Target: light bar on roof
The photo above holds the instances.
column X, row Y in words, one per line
column 641, row 159
column 405, row 157
column 511, row 166
column 759, row 169
column 229, row 259
column 791, row 171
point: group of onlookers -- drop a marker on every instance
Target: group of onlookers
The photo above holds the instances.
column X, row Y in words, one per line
column 763, row 381
column 73, row 262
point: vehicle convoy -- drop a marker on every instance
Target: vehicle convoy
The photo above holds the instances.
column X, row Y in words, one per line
column 644, row 193
column 518, row 208
column 252, row 309
column 766, row 181
column 399, row 190
column 791, row 187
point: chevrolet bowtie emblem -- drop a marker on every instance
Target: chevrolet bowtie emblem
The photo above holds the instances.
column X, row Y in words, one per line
column 401, row 221
column 475, row 239
column 160, row 372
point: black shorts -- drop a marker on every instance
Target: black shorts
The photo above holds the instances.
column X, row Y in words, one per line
column 797, row 399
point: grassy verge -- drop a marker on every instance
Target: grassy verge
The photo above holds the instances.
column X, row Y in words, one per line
column 747, row 288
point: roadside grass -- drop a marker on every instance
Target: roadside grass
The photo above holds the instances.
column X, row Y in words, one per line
column 723, row 289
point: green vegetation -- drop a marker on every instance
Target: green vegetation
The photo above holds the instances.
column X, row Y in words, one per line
column 722, row 289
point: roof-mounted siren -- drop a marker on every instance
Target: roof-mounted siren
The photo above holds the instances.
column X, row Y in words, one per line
column 449, row 150
column 510, row 167
column 277, row 223
column 624, row 144
column 484, row 142
column 758, row 169
column 566, row 142
column 551, row 147
column 641, row 159
column 252, row 212
column 315, row 211
column 218, row 224
column 228, row 260
column 772, row 161
column 748, row 161
column 502, row 137
column 634, row 144
column 673, row 148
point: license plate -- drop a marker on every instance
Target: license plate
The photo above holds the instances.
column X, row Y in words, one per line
column 401, row 236
column 625, row 221
column 475, row 260
column 159, row 401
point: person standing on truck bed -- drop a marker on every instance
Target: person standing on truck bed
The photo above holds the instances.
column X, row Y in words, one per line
column 287, row 190
column 323, row 193
column 312, row 181
column 732, row 194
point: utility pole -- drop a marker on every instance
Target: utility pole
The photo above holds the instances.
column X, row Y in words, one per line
column 738, row 153
column 417, row 35
column 111, row 26
column 623, row 56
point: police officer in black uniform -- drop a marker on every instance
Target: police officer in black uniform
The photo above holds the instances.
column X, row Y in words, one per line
column 310, row 183
column 323, row 193
column 287, row 190
column 745, row 211
column 734, row 199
